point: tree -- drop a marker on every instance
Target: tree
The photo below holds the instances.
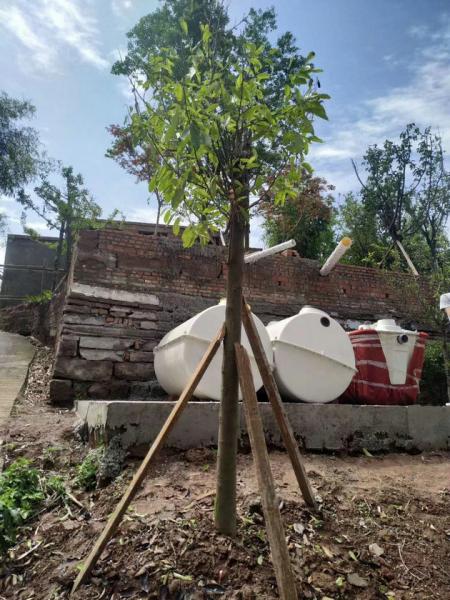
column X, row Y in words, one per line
column 405, row 198
column 161, row 29
column 135, row 157
column 20, row 159
column 65, row 209
column 308, row 218
column 215, row 136
column 3, row 226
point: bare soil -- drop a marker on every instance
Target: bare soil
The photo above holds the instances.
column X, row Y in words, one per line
column 383, row 530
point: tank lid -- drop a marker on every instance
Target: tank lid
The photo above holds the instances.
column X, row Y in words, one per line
column 388, row 326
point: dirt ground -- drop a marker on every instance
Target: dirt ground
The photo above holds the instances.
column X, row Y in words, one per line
column 383, row 530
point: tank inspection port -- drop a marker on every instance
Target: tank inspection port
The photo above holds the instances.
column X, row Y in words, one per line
column 325, row 321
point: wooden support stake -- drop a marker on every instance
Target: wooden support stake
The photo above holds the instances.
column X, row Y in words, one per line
column 277, row 406
column 275, row 531
column 137, row 480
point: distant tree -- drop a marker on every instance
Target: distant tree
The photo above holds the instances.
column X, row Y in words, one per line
column 308, row 218
column 405, row 198
column 161, row 30
column 20, row 158
column 137, row 158
column 3, row 226
column 66, row 209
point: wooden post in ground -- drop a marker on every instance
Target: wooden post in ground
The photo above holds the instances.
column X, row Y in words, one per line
column 275, row 530
column 277, row 406
column 137, row 480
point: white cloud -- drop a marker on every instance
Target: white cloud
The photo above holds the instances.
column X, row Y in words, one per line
column 46, row 30
column 119, row 7
column 424, row 100
column 144, row 214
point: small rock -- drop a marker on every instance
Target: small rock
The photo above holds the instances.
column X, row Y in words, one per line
column 356, row 580
column 376, row 550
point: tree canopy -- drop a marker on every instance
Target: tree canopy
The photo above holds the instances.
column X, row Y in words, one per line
column 161, row 30
column 308, row 218
column 20, row 158
column 66, row 209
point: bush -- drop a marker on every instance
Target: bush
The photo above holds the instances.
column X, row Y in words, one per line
column 433, row 386
column 23, row 490
column 20, row 495
column 87, row 471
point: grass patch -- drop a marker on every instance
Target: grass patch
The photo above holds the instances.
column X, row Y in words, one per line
column 23, row 490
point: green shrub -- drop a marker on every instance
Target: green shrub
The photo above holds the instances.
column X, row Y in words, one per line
column 87, row 471
column 23, row 490
column 433, row 386
column 41, row 298
column 20, row 495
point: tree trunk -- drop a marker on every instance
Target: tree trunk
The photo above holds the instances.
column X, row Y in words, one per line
column 225, row 508
column 158, row 214
column 59, row 249
column 69, row 245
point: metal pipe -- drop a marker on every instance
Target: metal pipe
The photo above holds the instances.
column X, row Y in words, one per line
column 251, row 258
column 336, row 256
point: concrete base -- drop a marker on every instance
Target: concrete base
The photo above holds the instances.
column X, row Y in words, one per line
column 316, row 426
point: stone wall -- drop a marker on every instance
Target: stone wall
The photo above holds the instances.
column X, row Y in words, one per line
column 127, row 289
column 40, row 320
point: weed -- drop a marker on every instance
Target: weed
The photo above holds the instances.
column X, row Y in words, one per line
column 23, row 489
column 20, row 496
column 87, row 471
column 41, row 298
column 50, row 456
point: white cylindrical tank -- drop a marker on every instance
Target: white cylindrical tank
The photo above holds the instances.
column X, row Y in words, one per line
column 179, row 352
column 313, row 357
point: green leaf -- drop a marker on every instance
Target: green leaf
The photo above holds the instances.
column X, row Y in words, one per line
column 352, row 555
column 196, row 137
column 178, row 92
column 167, row 216
column 182, row 577
column 189, row 236
column 176, row 226
column 184, row 25
column 318, row 110
column 206, row 34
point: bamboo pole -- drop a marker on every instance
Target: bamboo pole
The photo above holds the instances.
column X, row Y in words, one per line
column 275, row 530
column 137, row 480
column 277, row 406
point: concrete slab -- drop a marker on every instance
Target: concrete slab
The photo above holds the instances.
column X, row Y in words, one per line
column 319, row 427
column 16, row 353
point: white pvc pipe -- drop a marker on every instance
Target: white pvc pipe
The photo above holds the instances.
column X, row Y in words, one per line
column 251, row 258
column 408, row 259
column 444, row 304
column 336, row 256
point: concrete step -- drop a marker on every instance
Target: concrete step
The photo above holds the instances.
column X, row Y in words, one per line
column 318, row 427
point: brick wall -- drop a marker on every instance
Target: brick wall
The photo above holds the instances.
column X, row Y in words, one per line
column 127, row 289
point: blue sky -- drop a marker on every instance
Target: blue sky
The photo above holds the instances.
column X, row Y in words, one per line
column 386, row 63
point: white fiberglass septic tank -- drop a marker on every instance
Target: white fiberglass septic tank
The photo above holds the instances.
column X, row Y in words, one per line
column 313, row 357
column 179, row 352
column 398, row 346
